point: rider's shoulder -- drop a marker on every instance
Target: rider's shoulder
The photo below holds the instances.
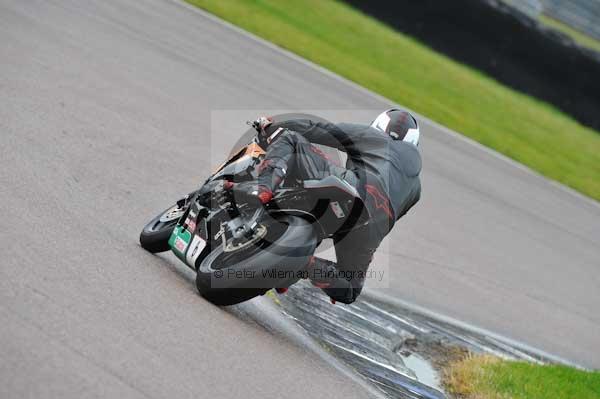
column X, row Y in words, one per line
column 355, row 128
column 351, row 126
column 409, row 157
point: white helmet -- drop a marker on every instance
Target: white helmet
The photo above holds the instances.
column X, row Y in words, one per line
column 400, row 125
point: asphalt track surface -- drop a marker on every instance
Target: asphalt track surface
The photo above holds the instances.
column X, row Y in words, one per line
column 105, row 109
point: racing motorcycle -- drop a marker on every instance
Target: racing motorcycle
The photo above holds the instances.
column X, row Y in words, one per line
column 240, row 248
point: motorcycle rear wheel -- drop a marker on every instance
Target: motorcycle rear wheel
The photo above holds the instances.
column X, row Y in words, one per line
column 223, row 278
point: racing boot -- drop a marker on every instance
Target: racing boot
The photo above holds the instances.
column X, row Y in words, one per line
column 323, row 274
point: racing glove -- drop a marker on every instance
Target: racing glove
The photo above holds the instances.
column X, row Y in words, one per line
column 250, row 192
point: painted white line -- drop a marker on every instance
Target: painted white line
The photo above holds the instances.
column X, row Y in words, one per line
column 383, row 99
column 265, row 312
column 393, row 301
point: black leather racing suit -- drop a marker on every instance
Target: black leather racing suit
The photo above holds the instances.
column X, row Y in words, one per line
column 384, row 171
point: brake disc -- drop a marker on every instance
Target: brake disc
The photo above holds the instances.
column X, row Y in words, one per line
column 172, row 213
column 259, row 233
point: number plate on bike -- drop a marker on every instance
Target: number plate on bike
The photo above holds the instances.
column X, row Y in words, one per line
column 194, row 250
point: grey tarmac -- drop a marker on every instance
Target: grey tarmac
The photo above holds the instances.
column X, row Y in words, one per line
column 105, row 118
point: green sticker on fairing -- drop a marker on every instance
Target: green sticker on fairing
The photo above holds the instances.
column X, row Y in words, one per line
column 180, row 241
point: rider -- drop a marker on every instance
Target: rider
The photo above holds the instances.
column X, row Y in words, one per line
column 383, row 164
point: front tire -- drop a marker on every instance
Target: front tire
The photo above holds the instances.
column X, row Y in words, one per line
column 155, row 235
column 223, row 278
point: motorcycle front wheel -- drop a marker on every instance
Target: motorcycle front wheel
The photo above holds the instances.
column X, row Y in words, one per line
column 155, row 235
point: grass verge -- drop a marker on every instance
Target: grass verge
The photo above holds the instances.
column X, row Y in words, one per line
column 487, row 377
column 362, row 49
column 578, row 37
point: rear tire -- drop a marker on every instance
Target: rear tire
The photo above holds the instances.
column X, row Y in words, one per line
column 221, row 277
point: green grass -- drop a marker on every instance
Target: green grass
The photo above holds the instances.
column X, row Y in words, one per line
column 360, row 48
column 486, row 377
column 578, row 37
